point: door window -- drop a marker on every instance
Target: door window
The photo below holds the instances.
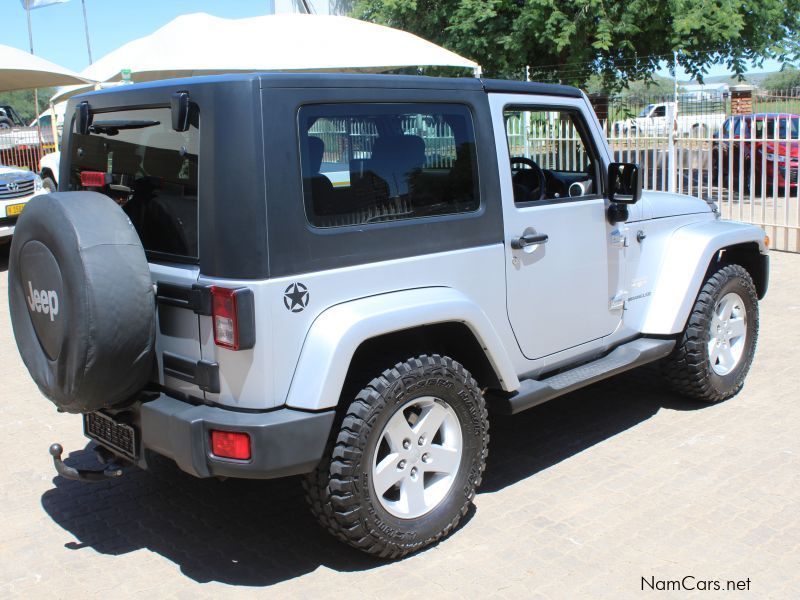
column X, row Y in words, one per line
column 551, row 157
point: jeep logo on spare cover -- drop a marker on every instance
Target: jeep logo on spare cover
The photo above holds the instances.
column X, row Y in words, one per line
column 43, row 301
column 296, row 297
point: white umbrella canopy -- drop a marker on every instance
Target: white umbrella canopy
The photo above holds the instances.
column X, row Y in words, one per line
column 22, row 71
column 201, row 44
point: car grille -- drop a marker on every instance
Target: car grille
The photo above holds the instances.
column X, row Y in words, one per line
column 16, row 189
column 7, row 221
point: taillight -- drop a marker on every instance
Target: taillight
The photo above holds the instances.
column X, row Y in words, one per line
column 230, row 444
column 233, row 315
column 93, row 178
column 223, row 311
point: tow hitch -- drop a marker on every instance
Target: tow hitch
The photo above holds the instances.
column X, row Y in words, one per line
column 109, row 472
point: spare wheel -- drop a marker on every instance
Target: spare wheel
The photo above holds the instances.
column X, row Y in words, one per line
column 81, row 301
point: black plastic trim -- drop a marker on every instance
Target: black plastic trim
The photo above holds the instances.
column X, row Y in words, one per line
column 283, row 442
column 202, row 373
column 245, row 317
column 630, row 355
column 196, row 298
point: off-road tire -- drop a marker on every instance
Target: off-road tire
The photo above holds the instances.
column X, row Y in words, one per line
column 688, row 369
column 340, row 492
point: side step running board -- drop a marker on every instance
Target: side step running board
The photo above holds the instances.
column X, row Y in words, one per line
column 533, row 392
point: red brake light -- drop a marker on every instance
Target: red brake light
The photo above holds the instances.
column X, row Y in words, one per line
column 230, row 444
column 224, row 314
column 93, row 178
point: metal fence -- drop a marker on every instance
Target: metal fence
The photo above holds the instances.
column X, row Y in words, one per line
column 749, row 167
column 24, row 146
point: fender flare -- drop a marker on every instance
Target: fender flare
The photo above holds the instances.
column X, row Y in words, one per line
column 336, row 334
column 687, row 256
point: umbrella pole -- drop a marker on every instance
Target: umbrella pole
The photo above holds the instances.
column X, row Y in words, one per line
column 86, row 30
column 35, row 91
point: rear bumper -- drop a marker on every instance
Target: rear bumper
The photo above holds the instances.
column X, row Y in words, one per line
column 283, row 442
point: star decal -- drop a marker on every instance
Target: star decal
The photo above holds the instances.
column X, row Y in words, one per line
column 296, row 297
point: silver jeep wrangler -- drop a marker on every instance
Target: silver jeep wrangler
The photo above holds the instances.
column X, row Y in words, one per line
column 343, row 276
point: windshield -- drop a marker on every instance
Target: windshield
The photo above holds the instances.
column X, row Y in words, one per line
column 646, row 110
column 788, row 129
column 150, row 170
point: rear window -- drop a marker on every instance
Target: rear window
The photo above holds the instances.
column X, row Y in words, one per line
column 150, row 170
column 372, row 163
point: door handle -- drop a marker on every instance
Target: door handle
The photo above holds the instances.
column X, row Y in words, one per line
column 529, row 239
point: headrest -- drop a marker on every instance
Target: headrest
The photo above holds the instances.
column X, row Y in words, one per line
column 316, row 148
column 406, row 150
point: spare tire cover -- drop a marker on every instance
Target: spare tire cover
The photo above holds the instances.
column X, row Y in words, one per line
column 81, row 300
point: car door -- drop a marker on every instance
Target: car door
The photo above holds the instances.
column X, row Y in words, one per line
column 562, row 270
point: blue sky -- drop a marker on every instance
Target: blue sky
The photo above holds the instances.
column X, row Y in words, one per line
column 58, row 29
column 58, row 33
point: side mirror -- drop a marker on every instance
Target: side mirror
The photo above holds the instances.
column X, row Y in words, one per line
column 179, row 105
column 83, row 118
column 624, row 183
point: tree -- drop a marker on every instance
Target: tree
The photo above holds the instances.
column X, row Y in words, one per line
column 787, row 79
column 22, row 101
column 621, row 40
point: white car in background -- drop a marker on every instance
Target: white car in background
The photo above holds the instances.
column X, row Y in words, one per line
column 48, row 170
column 17, row 186
column 654, row 120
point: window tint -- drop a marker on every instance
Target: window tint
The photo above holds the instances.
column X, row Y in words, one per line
column 370, row 163
column 149, row 169
column 661, row 111
column 550, row 155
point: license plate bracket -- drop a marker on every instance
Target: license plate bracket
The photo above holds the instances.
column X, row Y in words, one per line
column 109, row 432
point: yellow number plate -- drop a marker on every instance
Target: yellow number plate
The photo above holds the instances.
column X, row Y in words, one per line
column 12, row 210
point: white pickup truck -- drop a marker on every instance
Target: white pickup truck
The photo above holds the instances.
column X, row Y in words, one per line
column 654, row 119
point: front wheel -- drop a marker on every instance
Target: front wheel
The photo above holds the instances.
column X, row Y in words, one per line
column 407, row 460
column 715, row 351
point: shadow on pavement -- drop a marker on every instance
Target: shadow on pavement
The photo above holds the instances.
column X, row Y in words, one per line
column 257, row 533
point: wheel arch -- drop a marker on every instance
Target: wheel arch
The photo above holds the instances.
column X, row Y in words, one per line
column 350, row 343
column 691, row 255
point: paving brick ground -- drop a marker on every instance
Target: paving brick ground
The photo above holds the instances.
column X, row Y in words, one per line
column 582, row 497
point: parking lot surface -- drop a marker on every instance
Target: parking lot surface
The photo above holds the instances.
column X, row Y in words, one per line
column 604, row 493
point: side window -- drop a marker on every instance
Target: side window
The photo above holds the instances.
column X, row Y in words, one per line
column 150, row 170
column 371, row 163
column 660, row 111
column 551, row 155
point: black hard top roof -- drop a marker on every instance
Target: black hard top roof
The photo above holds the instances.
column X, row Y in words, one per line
column 315, row 80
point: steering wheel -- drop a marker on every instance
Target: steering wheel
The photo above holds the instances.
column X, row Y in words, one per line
column 532, row 179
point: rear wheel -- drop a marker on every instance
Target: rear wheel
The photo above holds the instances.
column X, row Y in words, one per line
column 716, row 349
column 407, row 459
